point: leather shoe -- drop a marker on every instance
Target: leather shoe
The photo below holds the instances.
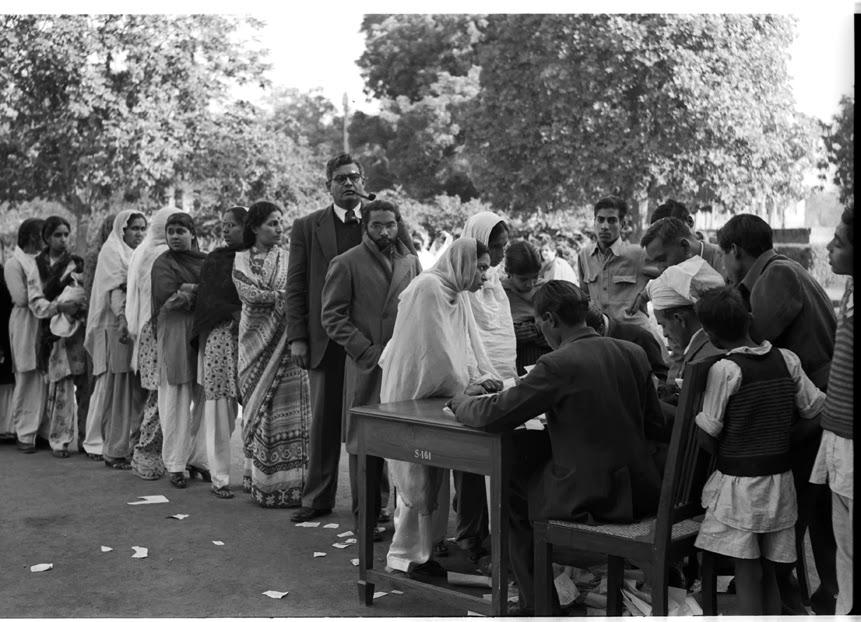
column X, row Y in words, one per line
column 26, row 448
column 430, row 568
column 305, row 514
column 823, row 603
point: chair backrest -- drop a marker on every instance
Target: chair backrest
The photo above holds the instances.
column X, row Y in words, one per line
column 688, row 464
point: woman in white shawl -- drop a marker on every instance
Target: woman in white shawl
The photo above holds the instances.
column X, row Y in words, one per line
column 492, row 312
column 116, row 404
column 435, row 351
column 146, row 459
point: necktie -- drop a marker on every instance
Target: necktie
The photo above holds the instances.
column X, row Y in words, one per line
column 350, row 216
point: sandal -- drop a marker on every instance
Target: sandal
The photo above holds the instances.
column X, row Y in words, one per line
column 222, row 493
column 203, row 473
column 94, row 457
column 440, row 549
column 177, row 480
column 60, row 453
column 120, row 464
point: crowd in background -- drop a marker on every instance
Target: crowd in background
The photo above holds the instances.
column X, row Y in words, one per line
column 142, row 353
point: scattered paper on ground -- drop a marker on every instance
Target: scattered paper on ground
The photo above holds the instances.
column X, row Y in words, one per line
column 474, row 614
column 340, row 545
column 597, row 601
column 350, row 541
column 693, row 605
column 140, row 552
column 396, row 592
column 379, row 595
column 179, row 516
column 150, row 499
column 330, row 526
column 380, row 529
column 459, row 578
column 218, row 543
column 307, row 524
column 723, row 583
column 635, row 604
column 319, row 554
column 346, row 534
column 41, row 567
column 566, row 589
column 106, row 549
column 355, row 562
column 274, row 594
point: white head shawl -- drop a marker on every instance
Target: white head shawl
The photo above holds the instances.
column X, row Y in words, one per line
column 490, row 304
column 435, row 351
column 683, row 284
column 112, row 272
column 139, row 294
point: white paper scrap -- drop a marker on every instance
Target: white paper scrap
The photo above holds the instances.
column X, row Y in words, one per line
column 307, row 524
column 346, row 534
column 350, row 541
column 140, row 552
column 355, row 561
column 179, row 516
column 148, row 499
column 218, row 543
column 380, row 529
column 106, row 549
column 41, row 567
column 396, row 592
column 473, row 614
column 319, row 554
column 566, row 589
column 379, row 595
column 330, row 526
column 274, row 594
column 340, row 545
column 723, row 583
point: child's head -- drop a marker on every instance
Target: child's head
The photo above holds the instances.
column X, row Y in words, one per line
column 723, row 315
column 841, row 249
column 522, row 264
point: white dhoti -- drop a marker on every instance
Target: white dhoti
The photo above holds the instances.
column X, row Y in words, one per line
column 416, row 533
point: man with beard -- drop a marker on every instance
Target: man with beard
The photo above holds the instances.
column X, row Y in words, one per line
column 315, row 240
column 360, row 304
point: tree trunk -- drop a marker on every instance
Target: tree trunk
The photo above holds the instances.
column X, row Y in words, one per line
column 82, row 225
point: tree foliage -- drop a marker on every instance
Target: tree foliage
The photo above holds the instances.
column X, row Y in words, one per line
column 406, row 54
column 839, row 139
column 96, row 104
column 698, row 107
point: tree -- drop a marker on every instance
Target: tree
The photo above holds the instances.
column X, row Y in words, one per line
column 422, row 67
column 839, row 139
column 697, row 107
column 306, row 118
column 96, row 104
column 406, row 54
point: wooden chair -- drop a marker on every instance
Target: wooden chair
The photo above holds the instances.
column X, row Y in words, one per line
column 667, row 537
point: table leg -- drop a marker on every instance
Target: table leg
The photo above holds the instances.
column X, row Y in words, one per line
column 499, row 528
column 366, row 526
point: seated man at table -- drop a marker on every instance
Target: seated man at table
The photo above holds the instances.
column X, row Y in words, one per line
column 592, row 463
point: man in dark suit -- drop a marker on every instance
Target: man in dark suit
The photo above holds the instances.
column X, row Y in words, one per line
column 360, row 304
column 316, row 239
column 592, row 463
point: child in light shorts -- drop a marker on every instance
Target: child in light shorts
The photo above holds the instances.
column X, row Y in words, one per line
column 748, row 409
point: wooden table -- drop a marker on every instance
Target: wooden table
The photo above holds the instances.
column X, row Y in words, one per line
column 419, row 431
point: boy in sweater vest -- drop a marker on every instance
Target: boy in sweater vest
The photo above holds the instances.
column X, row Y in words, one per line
column 748, row 410
column 834, row 462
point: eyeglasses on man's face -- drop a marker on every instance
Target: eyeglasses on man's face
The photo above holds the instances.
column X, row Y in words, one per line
column 378, row 227
column 342, row 179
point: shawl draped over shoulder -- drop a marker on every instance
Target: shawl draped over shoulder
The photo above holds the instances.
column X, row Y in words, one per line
column 139, row 294
column 490, row 304
column 262, row 329
column 435, row 351
column 217, row 299
column 55, row 278
column 112, row 271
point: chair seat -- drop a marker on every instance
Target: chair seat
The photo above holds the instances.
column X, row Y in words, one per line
column 642, row 531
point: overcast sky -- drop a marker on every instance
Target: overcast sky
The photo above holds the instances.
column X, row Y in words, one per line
column 316, row 44
column 318, row 48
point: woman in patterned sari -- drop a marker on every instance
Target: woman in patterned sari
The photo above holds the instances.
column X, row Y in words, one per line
column 274, row 391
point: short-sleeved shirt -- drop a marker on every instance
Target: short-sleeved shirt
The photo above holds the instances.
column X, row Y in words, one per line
column 613, row 279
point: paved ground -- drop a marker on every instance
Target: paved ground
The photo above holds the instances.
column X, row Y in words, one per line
column 62, row 512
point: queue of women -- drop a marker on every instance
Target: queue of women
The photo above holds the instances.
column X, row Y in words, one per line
column 154, row 361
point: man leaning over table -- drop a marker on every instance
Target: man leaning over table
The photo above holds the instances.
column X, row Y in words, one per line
column 592, row 462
